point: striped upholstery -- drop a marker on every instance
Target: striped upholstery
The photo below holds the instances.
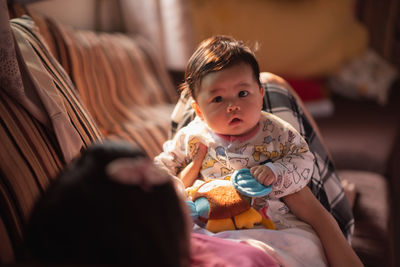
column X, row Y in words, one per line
column 128, row 95
column 124, row 87
column 31, row 154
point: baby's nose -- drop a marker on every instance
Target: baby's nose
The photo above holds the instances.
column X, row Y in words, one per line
column 233, row 107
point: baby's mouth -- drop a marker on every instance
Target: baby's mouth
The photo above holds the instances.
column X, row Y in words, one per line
column 235, row 120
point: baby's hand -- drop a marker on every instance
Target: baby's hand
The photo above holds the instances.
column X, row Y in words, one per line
column 199, row 152
column 263, row 174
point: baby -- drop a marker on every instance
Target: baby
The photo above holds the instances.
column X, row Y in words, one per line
column 223, row 79
column 232, row 132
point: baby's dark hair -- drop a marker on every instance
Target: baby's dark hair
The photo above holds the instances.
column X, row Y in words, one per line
column 214, row 54
column 85, row 217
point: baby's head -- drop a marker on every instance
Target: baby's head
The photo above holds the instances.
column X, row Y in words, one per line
column 214, row 54
column 222, row 76
column 110, row 206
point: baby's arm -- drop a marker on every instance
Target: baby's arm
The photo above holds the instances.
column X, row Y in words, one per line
column 263, row 174
column 307, row 208
column 189, row 174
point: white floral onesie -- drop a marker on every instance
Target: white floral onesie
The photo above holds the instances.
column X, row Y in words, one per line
column 274, row 143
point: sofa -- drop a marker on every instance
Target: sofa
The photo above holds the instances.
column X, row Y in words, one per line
column 363, row 139
column 64, row 89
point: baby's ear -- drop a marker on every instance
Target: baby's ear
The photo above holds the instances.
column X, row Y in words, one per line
column 262, row 90
column 197, row 110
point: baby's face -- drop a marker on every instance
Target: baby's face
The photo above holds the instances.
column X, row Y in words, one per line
column 230, row 100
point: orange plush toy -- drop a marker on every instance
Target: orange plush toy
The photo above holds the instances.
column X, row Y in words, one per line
column 226, row 205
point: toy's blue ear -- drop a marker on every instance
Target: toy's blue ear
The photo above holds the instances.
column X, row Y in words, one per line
column 199, row 208
column 192, row 209
column 246, row 184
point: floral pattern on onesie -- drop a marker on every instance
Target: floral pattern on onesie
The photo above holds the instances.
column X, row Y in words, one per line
column 276, row 144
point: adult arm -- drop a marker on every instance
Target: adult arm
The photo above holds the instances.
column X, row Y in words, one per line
column 307, row 208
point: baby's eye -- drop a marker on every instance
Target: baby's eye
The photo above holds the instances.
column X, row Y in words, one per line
column 217, row 99
column 243, row 93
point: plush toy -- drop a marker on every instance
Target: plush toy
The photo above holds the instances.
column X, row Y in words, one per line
column 226, row 204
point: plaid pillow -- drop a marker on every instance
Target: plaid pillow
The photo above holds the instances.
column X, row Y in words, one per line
column 280, row 100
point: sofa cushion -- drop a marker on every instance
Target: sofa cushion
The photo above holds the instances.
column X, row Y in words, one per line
column 32, row 154
column 361, row 144
column 371, row 214
column 122, row 83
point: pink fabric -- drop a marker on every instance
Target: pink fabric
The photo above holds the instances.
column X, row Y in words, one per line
column 213, row 251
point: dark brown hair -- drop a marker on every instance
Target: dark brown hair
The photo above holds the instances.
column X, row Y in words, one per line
column 87, row 218
column 214, row 54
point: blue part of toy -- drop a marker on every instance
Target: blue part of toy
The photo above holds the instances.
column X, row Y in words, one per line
column 199, row 208
column 192, row 209
column 202, row 207
column 246, row 184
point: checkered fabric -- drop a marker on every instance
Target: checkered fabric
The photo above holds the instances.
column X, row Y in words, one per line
column 324, row 183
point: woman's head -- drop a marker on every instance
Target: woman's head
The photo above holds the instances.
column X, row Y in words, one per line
column 214, row 54
column 110, row 206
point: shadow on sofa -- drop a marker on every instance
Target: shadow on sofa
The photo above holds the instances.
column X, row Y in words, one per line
column 363, row 138
column 91, row 88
